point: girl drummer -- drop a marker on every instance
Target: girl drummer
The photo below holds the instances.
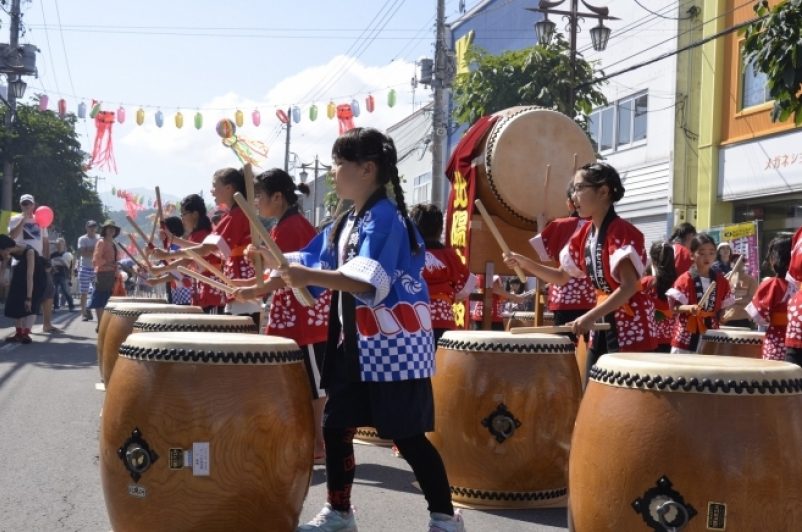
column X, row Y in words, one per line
column 276, row 196
column 179, row 285
column 655, row 286
column 769, row 306
column 693, row 318
column 198, row 226
column 229, row 238
column 611, row 251
column 379, row 356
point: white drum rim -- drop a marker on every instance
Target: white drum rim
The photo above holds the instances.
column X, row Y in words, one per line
column 719, row 375
column 506, row 343
column 730, row 336
column 137, row 309
column 212, row 348
column 177, row 322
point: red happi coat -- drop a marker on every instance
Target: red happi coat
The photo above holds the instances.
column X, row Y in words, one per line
column 682, row 258
column 204, row 295
column 446, row 276
column 289, row 318
column 634, row 322
column 577, row 293
column 684, row 292
column 769, row 306
column 231, row 235
column 664, row 317
column 477, row 307
column 793, row 332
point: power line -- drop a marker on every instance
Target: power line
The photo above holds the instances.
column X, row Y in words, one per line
column 656, row 13
column 49, row 49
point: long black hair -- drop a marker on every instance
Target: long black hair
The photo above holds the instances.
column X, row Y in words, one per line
column 429, row 219
column 701, row 239
column 174, row 226
column 194, row 203
column 665, row 273
column 779, row 255
column 360, row 145
column 600, row 174
column 277, row 180
column 682, row 231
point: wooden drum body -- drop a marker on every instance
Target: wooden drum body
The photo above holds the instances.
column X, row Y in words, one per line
column 121, row 324
column 504, row 412
column 691, row 442
column 204, row 431
column 731, row 342
column 513, row 182
column 104, row 321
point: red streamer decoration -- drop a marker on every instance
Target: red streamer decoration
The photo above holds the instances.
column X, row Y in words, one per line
column 103, row 149
column 345, row 115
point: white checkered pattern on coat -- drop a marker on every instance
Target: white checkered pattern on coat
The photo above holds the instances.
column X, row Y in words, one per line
column 86, row 276
column 182, row 295
column 401, row 357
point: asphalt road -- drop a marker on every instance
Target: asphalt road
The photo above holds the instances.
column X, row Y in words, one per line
column 49, row 480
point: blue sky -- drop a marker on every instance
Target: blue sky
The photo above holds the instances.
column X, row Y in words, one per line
column 219, row 56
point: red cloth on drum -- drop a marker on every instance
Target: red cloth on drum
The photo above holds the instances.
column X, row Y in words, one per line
column 231, row 235
column 289, row 318
column 664, row 317
column 204, row 295
column 446, row 276
column 685, row 285
column 576, row 294
column 770, row 300
column 636, row 331
column 477, row 307
column 682, row 258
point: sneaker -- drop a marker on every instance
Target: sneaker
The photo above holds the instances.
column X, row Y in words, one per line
column 13, row 338
column 25, row 339
column 330, row 520
column 446, row 523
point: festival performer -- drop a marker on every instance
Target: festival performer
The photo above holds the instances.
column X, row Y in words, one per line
column 499, row 298
column 228, row 239
column 663, row 276
column 611, row 251
column 277, row 197
column 445, row 274
column 691, row 320
column 573, row 299
column 180, row 286
column 26, row 288
column 769, row 307
column 681, row 238
column 793, row 332
column 380, row 351
column 198, row 226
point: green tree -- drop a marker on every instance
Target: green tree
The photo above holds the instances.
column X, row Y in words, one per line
column 540, row 75
column 774, row 45
column 48, row 163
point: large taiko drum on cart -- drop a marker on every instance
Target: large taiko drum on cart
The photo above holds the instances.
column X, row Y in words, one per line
column 530, row 156
column 121, row 324
column 731, row 342
column 206, row 431
column 104, row 320
column 504, row 412
column 687, row 442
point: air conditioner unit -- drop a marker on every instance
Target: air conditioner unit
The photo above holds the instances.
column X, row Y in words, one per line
column 20, row 60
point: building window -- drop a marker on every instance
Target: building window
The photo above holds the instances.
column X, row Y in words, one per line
column 754, row 86
column 421, row 188
column 621, row 124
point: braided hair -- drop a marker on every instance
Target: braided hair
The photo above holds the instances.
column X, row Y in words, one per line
column 360, row 145
column 665, row 273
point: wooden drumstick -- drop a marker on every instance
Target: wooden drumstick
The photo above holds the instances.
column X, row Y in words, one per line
column 304, row 296
column 203, row 279
column 139, row 231
column 554, row 329
column 575, row 159
column 497, row 235
column 159, row 215
column 735, row 267
column 257, row 260
column 706, row 295
column 139, row 264
column 139, row 249
column 209, row 266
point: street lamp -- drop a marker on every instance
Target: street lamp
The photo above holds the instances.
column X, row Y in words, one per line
column 545, row 28
column 17, row 87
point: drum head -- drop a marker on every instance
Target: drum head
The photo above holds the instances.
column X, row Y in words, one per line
column 136, row 309
column 210, row 348
column 732, row 336
column 124, row 299
column 194, row 322
column 519, row 149
column 503, row 342
column 697, row 374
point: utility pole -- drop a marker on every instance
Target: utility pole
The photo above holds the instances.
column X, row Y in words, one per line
column 440, row 84
column 8, row 164
column 287, row 142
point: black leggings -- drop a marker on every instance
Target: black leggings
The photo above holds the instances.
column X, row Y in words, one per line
column 416, row 450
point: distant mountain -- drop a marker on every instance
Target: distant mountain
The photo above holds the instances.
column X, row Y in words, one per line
column 113, row 203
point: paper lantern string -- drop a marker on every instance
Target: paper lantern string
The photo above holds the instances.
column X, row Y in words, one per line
column 103, row 148
column 345, row 116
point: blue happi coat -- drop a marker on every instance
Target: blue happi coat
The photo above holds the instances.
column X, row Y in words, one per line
column 393, row 321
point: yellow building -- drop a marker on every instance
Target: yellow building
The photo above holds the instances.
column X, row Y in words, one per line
column 748, row 167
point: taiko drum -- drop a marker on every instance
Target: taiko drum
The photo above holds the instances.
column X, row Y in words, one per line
column 731, row 342
column 103, row 322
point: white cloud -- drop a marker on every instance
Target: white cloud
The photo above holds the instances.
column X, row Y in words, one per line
column 182, row 160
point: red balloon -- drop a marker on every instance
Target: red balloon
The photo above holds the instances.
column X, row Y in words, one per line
column 43, row 216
